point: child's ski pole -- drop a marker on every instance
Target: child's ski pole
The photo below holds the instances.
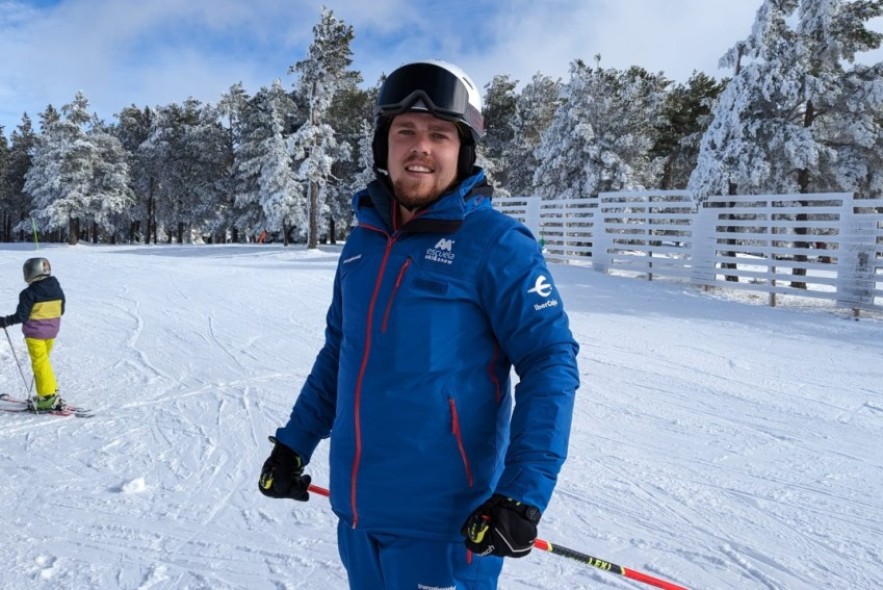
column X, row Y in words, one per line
column 15, row 356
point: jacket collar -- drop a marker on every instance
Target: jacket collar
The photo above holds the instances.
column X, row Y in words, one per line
column 375, row 206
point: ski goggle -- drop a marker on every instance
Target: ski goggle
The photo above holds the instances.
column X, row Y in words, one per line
column 441, row 92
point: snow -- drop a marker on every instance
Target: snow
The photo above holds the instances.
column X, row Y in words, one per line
column 717, row 443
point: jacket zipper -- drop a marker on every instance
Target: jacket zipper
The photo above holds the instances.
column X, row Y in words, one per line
column 395, row 291
column 458, row 435
column 357, row 422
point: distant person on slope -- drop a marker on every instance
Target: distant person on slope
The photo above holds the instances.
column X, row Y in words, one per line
column 40, row 307
column 436, row 297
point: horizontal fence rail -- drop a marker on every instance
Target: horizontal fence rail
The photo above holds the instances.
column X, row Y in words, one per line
column 823, row 245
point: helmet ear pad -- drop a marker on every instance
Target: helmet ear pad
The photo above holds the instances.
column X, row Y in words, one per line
column 380, row 144
column 380, row 148
column 466, row 160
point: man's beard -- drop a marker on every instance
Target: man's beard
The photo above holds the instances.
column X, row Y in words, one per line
column 417, row 197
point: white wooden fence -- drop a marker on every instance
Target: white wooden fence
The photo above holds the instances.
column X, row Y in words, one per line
column 827, row 245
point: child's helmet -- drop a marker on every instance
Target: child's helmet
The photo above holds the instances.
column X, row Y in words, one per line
column 36, row 269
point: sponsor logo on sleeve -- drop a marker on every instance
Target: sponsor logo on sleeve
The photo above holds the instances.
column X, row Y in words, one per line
column 543, row 288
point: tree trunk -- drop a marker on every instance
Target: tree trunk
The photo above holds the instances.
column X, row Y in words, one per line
column 803, row 181
column 314, row 216
column 73, row 234
column 733, row 189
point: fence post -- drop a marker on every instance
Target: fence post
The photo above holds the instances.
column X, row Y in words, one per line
column 704, row 247
column 532, row 215
column 856, row 254
column 602, row 240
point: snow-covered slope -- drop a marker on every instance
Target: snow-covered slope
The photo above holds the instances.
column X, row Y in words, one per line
column 717, row 444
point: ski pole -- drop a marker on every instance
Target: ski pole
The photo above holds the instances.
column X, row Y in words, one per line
column 15, row 356
column 581, row 557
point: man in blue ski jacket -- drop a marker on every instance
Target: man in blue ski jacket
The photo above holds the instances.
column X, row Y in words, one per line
column 437, row 296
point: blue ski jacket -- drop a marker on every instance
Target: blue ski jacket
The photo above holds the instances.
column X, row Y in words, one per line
column 413, row 382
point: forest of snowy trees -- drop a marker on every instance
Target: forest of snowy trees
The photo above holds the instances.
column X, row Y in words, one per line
column 798, row 115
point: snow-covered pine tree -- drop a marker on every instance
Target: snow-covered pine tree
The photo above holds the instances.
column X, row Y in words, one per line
column 280, row 194
column 4, row 164
column 770, row 127
column 232, row 105
column 78, row 176
column 133, row 130
column 188, row 144
column 843, row 105
column 535, row 108
column 16, row 203
column 111, row 196
column 248, row 216
column 350, row 112
column 365, row 160
column 687, row 114
column 500, row 112
column 856, row 134
column 314, row 146
column 601, row 136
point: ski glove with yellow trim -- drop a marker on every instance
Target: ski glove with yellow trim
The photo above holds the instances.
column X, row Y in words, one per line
column 502, row 526
column 283, row 474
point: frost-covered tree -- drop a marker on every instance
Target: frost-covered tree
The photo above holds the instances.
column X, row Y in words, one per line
column 771, row 128
column 15, row 202
column 133, row 130
column 364, row 160
column 48, row 117
column 266, row 123
column 280, row 194
column 79, row 174
column 111, row 194
column 4, row 164
column 233, row 105
column 351, row 119
column 781, row 121
column 602, row 134
column 500, row 112
column 322, row 74
column 686, row 116
column 535, row 109
column 248, row 216
column 187, row 143
column 857, row 134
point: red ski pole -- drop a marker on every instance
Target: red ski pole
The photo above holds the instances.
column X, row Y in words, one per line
column 581, row 557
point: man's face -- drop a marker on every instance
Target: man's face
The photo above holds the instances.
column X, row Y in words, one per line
column 422, row 159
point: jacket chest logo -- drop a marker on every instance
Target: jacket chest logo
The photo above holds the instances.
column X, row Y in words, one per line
column 442, row 252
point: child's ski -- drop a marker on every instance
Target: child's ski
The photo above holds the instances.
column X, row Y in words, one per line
column 21, row 405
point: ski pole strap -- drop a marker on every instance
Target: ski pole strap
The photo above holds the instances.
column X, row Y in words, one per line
column 576, row 555
column 605, row 565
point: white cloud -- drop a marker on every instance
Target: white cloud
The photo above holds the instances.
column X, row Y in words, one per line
column 161, row 51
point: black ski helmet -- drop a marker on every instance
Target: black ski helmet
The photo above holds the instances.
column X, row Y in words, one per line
column 435, row 87
column 35, row 269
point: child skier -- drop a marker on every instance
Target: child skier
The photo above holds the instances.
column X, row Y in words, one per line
column 40, row 307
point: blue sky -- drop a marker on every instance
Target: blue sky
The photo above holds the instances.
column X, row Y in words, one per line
column 154, row 52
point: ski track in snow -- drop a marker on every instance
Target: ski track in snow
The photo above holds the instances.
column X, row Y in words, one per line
column 715, row 444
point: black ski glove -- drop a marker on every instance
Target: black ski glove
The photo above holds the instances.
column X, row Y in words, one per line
column 502, row 526
column 283, row 475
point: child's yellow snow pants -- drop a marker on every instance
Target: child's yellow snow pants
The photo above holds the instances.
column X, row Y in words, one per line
column 44, row 377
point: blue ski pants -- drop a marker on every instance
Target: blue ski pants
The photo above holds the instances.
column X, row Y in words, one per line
column 387, row 562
